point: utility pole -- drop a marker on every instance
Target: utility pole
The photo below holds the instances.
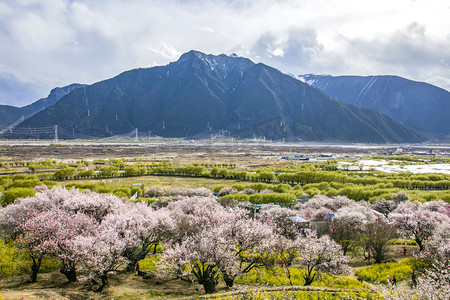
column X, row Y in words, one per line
column 55, row 133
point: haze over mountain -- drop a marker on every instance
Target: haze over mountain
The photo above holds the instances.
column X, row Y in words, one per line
column 417, row 105
column 202, row 94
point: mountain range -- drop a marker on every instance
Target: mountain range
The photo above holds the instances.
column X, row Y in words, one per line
column 11, row 114
column 201, row 94
column 417, row 105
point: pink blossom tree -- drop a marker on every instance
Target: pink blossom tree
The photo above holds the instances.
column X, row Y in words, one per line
column 414, row 220
column 53, row 232
column 54, row 219
column 348, row 224
column 201, row 255
column 287, row 251
column 279, row 219
column 100, row 253
column 244, row 243
column 15, row 214
column 192, row 215
column 252, row 243
column 93, row 204
column 320, row 254
column 376, row 235
column 435, row 282
column 143, row 227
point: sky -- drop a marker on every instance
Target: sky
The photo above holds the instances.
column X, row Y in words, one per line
column 53, row 43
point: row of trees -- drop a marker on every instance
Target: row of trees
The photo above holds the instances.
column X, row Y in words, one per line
column 279, row 175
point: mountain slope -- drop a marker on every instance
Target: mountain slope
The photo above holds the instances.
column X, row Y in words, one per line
column 417, row 105
column 201, row 94
column 10, row 114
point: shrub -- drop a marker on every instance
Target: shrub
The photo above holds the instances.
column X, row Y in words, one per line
column 238, row 186
column 154, row 191
column 217, row 188
column 13, row 263
column 13, row 193
column 238, row 197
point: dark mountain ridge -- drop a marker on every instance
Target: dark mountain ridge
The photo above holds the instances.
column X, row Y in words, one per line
column 10, row 114
column 417, row 105
column 202, row 94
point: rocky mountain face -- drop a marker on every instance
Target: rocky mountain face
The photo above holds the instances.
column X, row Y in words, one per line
column 203, row 94
column 417, row 105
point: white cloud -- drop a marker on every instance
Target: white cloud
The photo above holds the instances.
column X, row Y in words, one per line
column 166, row 51
column 44, row 44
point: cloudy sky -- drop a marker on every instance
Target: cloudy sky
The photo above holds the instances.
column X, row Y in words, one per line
column 50, row 43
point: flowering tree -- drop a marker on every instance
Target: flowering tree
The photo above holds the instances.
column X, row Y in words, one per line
column 376, row 236
column 348, row 224
column 385, row 206
column 192, row 215
column 318, row 207
column 414, row 220
column 143, row 227
column 320, row 254
column 15, row 224
column 278, row 218
column 15, row 214
column 100, row 253
column 208, row 239
column 435, row 282
column 54, row 221
column 252, row 243
column 332, row 204
column 287, row 251
column 53, row 232
column 93, row 204
column 201, row 255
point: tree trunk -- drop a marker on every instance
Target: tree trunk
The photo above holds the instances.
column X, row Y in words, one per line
column 35, row 269
column 209, row 286
column 229, row 281
column 104, row 279
column 70, row 273
column 288, row 274
column 379, row 256
column 419, row 242
column 34, row 272
column 131, row 266
column 309, row 279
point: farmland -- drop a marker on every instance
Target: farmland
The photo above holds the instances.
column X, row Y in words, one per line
column 241, row 175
